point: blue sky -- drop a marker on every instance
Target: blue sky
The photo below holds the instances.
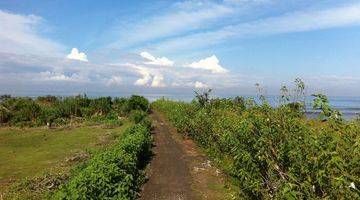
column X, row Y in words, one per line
column 167, row 47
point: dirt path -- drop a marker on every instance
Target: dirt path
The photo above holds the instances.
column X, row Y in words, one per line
column 179, row 170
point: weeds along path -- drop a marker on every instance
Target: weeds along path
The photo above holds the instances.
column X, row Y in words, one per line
column 178, row 170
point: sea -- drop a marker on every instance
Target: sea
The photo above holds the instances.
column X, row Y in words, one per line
column 349, row 106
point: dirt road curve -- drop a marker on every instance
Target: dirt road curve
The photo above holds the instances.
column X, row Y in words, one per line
column 178, row 170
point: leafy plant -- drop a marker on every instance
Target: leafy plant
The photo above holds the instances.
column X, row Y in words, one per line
column 275, row 152
column 203, row 98
column 321, row 103
column 5, row 114
column 137, row 103
column 115, row 173
column 262, row 93
column 137, row 116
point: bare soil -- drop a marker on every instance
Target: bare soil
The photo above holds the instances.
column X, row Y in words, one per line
column 179, row 169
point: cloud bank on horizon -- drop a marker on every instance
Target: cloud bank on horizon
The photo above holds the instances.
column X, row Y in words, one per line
column 195, row 44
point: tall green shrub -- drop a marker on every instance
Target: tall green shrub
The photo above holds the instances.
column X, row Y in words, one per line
column 274, row 152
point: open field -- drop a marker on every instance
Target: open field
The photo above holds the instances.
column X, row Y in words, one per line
column 32, row 151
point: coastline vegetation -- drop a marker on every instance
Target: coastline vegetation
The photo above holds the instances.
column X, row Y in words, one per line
column 52, row 145
column 267, row 152
column 274, row 152
column 57, row 111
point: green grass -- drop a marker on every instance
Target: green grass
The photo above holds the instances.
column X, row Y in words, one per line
column 31, row 152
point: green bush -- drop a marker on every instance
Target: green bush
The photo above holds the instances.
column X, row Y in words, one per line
column 137, row 103
column 47, row 99
column 115, row 173
column 112, row 115
column 137, row 116
column 5, row 115
column 274, row 152
column 101, row 106
column 120, row 106
column 67, row 108
column 51, row 110
column 23, row 110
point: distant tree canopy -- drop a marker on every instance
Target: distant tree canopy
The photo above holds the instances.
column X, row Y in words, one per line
column 24, row 111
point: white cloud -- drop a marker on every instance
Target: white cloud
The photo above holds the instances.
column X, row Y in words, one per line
column 55, row 76
column 190, row 84
column 299, row 21
column 76, row 55
column 199, row 85
column 146, row 77
column 150, row 77
column 158, row 81
column 303, row 21
column 19, row 35
column 114, row 80
column 152, row 60
column 180, row 18
column 210, row 63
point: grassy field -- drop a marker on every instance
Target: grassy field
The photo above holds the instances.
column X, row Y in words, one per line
column 31, row 152
column 47, row 140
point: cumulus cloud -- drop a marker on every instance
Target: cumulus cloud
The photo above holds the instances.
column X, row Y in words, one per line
column 210, row 63
column 146, row 77
column 200, row 85
column 114, row 80
column 19, row 35
column 152, row 60
column 76, row 55
column 196, row 74
column 158, row 81
column 150, row 78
